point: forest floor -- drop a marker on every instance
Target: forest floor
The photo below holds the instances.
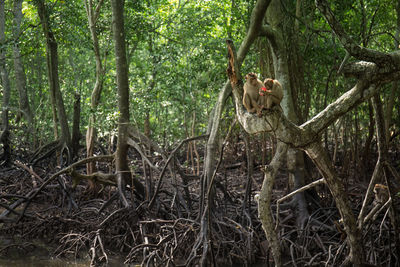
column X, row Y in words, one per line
column 61, row 222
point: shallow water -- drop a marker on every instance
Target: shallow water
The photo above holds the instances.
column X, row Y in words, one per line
column 41, row 263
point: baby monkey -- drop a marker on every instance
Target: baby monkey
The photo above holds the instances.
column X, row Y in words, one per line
column 271, row 94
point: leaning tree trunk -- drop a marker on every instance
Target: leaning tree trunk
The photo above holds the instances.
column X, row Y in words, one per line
column 5, row 131
column 52, row 69
column 20, row 78
column 318, row 155
column 121, row 160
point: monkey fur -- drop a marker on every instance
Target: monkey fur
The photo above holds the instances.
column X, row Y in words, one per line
column 381, row 193
column 271, row 94
column 251, row 93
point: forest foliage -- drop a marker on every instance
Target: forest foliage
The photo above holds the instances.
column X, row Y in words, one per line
column 177, row 60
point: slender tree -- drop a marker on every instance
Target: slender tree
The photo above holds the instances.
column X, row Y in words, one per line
column 93, row 15
column 6, row 90
column 52, row 70
column 20, row 77
column 121, row 162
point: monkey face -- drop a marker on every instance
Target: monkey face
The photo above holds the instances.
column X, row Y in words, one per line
column 269, row 83
column 251, row 76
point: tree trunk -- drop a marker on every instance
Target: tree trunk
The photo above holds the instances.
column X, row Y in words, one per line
column 5, row 131
column 76, row 132
column 93, row 15
column 76, row 118
column 121, row 161
column 52, row 68
column 282, row 62
column 264, row 203
column 20, row 78
column 367, row 146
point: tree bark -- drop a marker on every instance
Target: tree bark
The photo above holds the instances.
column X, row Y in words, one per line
column 121, row 161
column 20, row 78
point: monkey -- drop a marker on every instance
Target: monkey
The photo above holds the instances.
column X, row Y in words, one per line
column 251, row 93
column 271, row 94
column 381, row 193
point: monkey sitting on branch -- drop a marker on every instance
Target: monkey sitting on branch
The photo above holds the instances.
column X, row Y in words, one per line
column 251, row 94
column 270, row 95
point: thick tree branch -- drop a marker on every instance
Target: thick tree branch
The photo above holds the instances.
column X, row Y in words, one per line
column 371, row 79
column 363, row 90
column 257, row 16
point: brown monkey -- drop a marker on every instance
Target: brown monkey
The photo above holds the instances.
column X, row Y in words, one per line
column 381, row 193
column 251, row 93
column 271, row 94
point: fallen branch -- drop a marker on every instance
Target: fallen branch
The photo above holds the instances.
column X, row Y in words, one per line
column 28, row 169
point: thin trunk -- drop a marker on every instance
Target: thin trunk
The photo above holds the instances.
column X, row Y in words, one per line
column 76, row 132
column 146, row 167
column 367, row 147
column 196, row 169
column 52, row 68
column 20, row 78
column 250, row 165
column 92, row 15
column 121, row 156
column 5, row 131
column 355, row 142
